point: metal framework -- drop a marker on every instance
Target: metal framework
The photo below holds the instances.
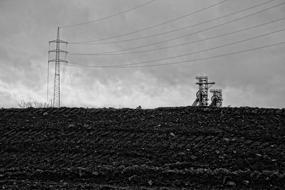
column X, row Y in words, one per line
column 202, row 94
column 217, row 98
column 58, row 58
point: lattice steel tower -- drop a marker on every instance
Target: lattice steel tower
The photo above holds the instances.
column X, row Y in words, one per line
column 202, row 94
column 59, row 57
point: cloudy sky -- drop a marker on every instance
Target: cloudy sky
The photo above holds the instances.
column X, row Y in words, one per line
column 252, row 78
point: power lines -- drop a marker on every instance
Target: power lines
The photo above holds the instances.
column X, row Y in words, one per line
column 159, row 24
column 199, row 31
column 180, row 62
column 110, row 16
column 171, row 31
column 140, row 64
column 182, row 44
column 132, row 50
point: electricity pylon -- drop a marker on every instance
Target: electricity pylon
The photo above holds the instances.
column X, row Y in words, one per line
column 58, row 58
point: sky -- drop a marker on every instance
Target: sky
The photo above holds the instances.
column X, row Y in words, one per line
column 252, row 78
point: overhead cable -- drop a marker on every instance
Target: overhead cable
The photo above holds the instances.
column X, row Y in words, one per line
column 108, row 17
column 207, row 29
column 159, row 24
column 180, row 62
column 182, row 44
column 167, row 32
column 183, row 55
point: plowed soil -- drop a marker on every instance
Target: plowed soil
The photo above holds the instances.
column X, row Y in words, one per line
column 163, row 148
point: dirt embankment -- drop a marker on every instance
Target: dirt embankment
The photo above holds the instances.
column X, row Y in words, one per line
column 165, row 148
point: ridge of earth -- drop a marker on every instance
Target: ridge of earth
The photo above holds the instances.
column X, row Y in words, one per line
column 162, row 148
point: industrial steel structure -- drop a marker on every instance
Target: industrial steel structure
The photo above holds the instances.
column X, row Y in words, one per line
column 59, row 56
column 217, row 98
column 202, row 94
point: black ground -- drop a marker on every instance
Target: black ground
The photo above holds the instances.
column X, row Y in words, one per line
column 164, row 148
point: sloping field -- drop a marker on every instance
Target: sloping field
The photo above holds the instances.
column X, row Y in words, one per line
column 163, row 148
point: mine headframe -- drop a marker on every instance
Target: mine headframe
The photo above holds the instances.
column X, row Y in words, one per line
column 217, row 98
column 202, row 94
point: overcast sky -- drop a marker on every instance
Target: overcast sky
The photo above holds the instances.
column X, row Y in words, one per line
column 254, row 78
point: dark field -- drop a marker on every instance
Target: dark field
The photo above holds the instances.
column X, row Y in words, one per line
column 164, row 148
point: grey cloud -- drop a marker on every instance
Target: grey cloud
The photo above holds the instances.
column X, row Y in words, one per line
column 253, row 79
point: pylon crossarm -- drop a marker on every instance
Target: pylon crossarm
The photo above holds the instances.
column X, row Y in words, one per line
column 60, row 60
column 54, row 51
column 58, row 41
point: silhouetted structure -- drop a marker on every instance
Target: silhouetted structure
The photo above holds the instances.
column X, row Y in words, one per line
column 217, row 98
column 202, row 94
column 57, row 60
